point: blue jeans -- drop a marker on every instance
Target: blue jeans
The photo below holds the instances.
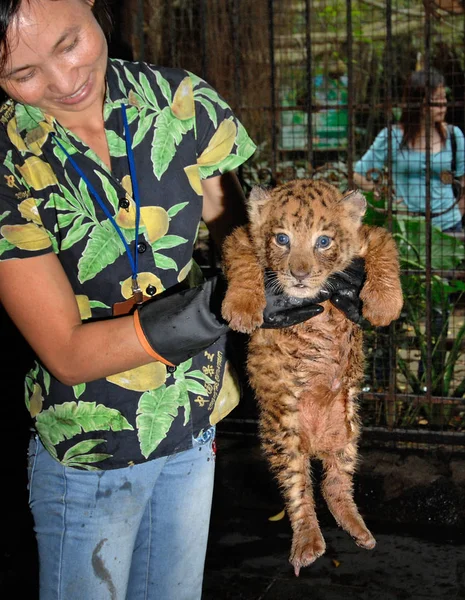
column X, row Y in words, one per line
column 134, row 533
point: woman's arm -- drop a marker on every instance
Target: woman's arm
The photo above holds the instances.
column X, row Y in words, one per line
column 223, row 206
column 39, row 299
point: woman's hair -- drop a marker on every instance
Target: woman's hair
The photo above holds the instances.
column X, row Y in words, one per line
column 9, row 8
column 414, row 101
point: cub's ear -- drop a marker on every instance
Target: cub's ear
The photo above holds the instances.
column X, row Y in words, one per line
column 355, row 204
column 257, row 199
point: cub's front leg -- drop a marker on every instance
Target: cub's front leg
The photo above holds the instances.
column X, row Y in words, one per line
column 382, row 292
column 245, row 299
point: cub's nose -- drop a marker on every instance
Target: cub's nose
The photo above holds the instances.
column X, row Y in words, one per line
column 300, row 273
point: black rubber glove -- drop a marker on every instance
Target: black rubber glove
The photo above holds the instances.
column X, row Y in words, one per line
column 345, row 287
column 284, row 311
column 175, row 327
column 178, row 326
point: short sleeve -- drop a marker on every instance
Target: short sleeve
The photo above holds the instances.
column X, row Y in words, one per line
column 460, row 157
column 22, row 233
column 222, row 141
column 375, row 157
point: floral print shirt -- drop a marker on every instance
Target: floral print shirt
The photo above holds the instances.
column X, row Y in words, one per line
column 182, row 132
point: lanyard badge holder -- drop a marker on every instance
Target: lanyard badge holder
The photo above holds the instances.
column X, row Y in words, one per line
column 126, row 307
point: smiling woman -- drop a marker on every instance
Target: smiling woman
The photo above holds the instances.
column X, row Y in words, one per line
column 106, row 169
column 101, row 194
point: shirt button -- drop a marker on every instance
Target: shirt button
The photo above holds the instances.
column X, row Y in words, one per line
column 141, row 247
column 124, row 203
column 151, row 290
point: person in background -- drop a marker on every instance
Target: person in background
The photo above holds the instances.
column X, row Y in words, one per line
column 106, row 169
column 409, row 144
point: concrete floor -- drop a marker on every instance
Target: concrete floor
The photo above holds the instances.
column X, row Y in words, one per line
column 247, row 555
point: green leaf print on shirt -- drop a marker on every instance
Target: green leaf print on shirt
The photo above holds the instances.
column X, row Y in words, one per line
column 78, row 456
column 5, row 246
column 103, row 248
column 64, row 421
column 168, row 134
column 156, row 412
column 27, row 117
column 185, row 383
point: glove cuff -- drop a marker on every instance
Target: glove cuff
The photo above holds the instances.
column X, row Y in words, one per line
column 144, row 342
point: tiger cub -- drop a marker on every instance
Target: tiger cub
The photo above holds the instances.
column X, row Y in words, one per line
column 306, row 377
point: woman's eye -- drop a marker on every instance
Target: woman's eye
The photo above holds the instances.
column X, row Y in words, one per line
column 282, row 239
column 24, row 78
column 323, row 242
column 71, row 46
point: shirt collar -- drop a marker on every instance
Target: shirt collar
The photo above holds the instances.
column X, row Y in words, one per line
column 29, row 127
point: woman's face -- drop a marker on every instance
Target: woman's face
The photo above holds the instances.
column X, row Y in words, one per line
column 438, row 105
column 58, row 58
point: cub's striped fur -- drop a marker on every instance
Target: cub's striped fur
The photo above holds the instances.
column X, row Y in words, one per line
column 306, row 377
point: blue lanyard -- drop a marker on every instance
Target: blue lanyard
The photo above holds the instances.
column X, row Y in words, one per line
column 133, row 259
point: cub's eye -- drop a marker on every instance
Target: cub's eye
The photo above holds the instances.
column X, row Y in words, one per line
column 282, row 239
column 323, row 242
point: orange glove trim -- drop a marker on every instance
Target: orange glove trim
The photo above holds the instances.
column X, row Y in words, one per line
column 144, row 343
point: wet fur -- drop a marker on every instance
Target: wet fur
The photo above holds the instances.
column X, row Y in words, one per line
column 306, row 378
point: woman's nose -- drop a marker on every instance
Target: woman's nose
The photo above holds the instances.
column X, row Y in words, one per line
column 62, row 79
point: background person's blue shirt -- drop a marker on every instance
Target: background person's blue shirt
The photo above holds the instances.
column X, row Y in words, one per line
column 409, row 174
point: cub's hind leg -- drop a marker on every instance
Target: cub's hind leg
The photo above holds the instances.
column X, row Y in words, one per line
column 291, row 467
column 337, row 489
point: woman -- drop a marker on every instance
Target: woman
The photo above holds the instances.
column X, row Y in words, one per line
column 107, row 168
column 409, row 145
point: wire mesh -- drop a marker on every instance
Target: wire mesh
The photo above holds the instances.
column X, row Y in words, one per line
column 316, row 83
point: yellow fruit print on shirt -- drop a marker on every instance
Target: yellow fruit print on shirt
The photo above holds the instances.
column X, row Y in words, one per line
column 127, row 184
column 220, row 145
column 15, row 138
column 156, row 221
column 83, row 303
column 193, row 176
column 126, row 217
column 26, row 237
column 183, row 105
column 37, row 173
column 36, row 401
column 141, row 379
column 28, row 209
column 144, row 279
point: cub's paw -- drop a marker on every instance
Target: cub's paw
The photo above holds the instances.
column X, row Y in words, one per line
column 381, row 309
column 243, row 311
column 307, row 546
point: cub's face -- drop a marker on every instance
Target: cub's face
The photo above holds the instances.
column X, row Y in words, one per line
column 304, row 231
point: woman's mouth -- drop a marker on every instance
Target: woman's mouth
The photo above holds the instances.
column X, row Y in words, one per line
column 79, row 95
